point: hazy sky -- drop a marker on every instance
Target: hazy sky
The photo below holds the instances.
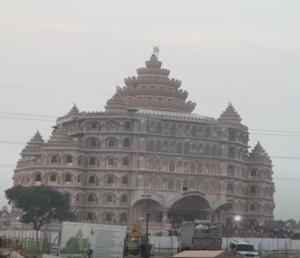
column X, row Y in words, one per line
column 245, row 51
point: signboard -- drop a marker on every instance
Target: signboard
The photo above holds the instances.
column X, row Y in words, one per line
column 83, row 240
column 212, row 244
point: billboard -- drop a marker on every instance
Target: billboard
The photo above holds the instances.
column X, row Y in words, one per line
column 83, row 240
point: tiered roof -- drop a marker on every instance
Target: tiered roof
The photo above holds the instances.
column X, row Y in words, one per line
column 153, row 89
column 258, row 154
column 34, row 145
column 74, row 110
column 230, row 115
column 116, row 103
column 59, row 137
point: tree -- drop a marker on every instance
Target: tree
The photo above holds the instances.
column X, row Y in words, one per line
column 40, row 204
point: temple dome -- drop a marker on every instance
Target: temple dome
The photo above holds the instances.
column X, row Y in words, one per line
column 153, row 89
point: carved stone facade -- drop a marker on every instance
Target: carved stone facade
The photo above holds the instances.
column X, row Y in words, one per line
column 147, row 147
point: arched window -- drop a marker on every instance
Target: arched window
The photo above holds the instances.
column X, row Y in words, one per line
column 110, row 180
column 252, row 207
column 230, row 171
column 126, row 143
column 38, row 178
column 94, row 126
column 91, row 180
column 112, row 126
column 231, row 153
column 124, row 199
column 158, row 128
column 207, row 150
column 92, row 161
column 172, row 166
column 123, row 217
column 158, row 146
column 194, row 131
column 90, row 216
column 109, row 198
column 108, row 217
column 112, row 143
column 173, row 129
column 68, row 179
column 193, row 167
column 232, row 136
column 125, row 180
column 207, row 132
column 127, row 126
column 53, row 178
column 69, row 160
column 253, row 173
column 111, row 162
column 252, row 191
column 179, row 148
column 67, row 196
column 230, row 188
column 125, row 162
column 150, row 146
column 214, row 151
column 93, row 143
column 186, row 149
column 54, row 159
column 90, row 198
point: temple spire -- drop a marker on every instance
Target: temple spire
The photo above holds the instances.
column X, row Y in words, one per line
column 116, row 103
column 74, row 110
column 35, row 144
column 230, row 115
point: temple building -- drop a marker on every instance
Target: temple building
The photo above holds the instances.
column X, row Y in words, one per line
column 147, row 147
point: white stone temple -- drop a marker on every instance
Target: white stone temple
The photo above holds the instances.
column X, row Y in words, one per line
column 148, row 147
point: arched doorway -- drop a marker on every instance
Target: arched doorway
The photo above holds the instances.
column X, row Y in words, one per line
column 189, row 208
column 155, row 208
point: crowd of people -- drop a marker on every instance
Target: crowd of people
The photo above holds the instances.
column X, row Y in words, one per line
column 260, row 231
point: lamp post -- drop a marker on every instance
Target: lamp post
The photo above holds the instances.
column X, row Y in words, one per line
column 237, row 219
column 36, row 224
column 147, row 229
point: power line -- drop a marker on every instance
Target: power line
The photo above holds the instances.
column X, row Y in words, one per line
column 246, row 104
column 21, row 114
column 24, row 118
column 12, row 142
column 48, row 120
column 273, row 134
column 106, row 94
column 275, row 131
column 54, row 90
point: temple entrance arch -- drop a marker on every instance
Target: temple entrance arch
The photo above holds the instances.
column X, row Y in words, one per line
column 139, row 210
column 189, row 208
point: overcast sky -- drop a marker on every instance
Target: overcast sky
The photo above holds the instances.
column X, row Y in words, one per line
column 243, row 51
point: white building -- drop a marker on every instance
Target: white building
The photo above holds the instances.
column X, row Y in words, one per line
column 148, row 145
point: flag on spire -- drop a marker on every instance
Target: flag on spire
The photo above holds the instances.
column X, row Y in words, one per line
column 156, row 50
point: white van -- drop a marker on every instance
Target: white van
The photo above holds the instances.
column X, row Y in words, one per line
column 243, row 248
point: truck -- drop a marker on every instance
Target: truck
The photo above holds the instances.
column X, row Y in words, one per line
column 200, row 235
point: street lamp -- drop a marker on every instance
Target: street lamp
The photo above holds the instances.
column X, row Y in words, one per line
column 238, row 218
column 147, row 228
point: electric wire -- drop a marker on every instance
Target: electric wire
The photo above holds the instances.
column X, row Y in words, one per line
column 107, row 94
